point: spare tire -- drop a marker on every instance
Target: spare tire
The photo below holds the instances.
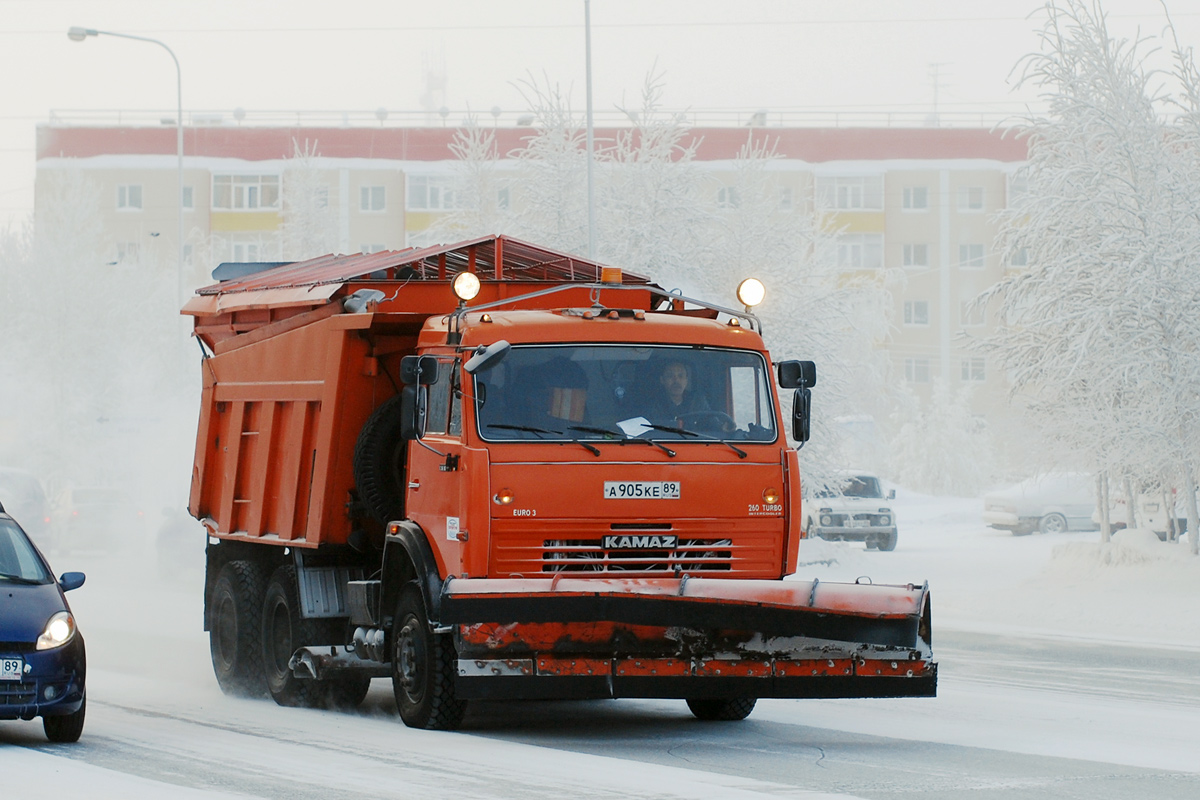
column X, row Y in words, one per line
column 379, row 457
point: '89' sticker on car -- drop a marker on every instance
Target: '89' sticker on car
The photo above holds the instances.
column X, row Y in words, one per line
column 641, row 490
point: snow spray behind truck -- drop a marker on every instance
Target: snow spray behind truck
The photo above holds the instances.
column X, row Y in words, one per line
column 492, row 470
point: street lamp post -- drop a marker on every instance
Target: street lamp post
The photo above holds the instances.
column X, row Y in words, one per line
column 76, row 34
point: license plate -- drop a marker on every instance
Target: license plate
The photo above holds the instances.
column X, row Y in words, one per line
column 641, row 490
column 859, row 523
column 11, row 669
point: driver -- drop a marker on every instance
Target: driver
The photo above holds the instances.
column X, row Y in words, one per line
column 675, row 398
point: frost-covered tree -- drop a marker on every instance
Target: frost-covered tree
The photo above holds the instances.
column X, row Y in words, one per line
column 1100, row 332
column 940, row 447
column 310, row 223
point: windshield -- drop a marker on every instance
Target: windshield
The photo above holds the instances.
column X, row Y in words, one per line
column 560, row 393
column 863, row 486
column 18, row 560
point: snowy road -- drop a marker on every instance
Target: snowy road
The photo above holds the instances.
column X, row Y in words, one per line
column 1028, row 707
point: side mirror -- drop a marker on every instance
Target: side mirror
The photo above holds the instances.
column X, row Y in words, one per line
column 801, row 412
column 891, row 494
column 797, row 374
column 414, row 407
column 487, row 357
column 71, row 580
column 418, row 370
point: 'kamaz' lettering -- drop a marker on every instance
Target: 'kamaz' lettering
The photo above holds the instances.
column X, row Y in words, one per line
column 658, row 542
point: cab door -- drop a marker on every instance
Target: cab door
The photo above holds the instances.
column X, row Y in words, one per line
column 435, row 471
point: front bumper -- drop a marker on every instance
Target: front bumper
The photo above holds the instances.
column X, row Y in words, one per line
column 848, row 534
column 60, row 672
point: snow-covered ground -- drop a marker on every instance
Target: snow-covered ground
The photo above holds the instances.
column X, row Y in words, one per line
column 1067, row 669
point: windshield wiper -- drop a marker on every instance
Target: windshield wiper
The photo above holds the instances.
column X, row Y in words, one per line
column 622, row 437
column 685, row 432
column 526, row 428
column 18, row 579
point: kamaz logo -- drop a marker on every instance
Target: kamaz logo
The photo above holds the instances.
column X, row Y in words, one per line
column 640, row 542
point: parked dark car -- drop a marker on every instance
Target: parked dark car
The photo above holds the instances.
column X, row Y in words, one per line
column 43, row 665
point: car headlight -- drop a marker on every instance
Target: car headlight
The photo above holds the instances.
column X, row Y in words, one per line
column 826, row 520
column 885, row 520
column 59, row 630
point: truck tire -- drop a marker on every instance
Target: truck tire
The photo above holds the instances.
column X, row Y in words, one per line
column 65, row 728
column 379, row 463
column 235, row 610
column 283, row 632
column 716, row 709
column 423, row 668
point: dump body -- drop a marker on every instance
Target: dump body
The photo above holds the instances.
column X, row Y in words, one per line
column 563, row 522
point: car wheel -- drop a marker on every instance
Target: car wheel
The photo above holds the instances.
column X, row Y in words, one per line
column 423, row 666
column 283, row 632
column 887, row 542
column 717, row 709
column 1053, row 523
column 65, row 728
column 235, row 613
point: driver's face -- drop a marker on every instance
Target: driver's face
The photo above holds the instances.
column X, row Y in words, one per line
column 674, row 380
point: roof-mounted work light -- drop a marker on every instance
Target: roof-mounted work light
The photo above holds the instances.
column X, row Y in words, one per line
column 751, row 292
column 466, row 286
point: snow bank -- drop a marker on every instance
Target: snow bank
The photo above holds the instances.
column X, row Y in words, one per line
column 1128, row 548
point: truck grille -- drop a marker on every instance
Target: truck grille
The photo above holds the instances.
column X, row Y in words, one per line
column 589, row 555
column 751, row 549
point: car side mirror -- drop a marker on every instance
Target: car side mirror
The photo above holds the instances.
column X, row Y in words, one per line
column 71, row 580
column 797, row 374
column 414, row 407
column 891, row 494
column 418, row 370
column 801, row 415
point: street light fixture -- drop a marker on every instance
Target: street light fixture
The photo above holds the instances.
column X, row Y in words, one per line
column 77, row 34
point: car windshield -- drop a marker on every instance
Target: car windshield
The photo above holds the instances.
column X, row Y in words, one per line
column 600, row 392
column 19, row 562
column 863, row 486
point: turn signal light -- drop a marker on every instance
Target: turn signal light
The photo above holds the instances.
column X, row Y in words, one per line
column 771, row 496
column 503, row 497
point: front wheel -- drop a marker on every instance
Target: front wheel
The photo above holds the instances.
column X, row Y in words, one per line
column 887, row 542
column 721, row 710
column 65, row 728
column 423, row 668
column 1053, row 523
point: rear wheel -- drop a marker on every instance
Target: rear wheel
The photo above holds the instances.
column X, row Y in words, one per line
column 235, row 610
column 722, row 710
column 65, row 728
column 423, row 668
column 283, row 632
column 1053, row 523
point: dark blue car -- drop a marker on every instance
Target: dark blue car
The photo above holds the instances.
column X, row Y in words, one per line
column 42, row 661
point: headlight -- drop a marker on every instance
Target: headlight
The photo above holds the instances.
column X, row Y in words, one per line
column 466, row 286
column 826, row 520
column 59, row 630
column 885, row 520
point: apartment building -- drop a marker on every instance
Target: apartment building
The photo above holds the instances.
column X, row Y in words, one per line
column 921, row 200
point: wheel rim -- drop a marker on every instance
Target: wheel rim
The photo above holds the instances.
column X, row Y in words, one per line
column 410, row 656
column 1054, row 524
column 225, row 632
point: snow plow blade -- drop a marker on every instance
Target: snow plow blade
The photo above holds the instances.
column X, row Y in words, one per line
column 697, row 637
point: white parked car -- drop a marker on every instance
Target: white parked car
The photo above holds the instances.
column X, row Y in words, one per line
column 1050, row 503
column 858, row 512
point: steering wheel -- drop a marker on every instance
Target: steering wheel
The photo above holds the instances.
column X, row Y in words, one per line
column 708, row 420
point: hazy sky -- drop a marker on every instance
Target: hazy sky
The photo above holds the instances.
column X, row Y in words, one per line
column 361, row 55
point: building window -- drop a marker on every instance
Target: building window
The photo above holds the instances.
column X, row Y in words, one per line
column 186, row 198
column 972, row 369
column 970, row 198
column 728, row 197
column 1018, row 187
column 970, row 314
column 916, row 370
column 367, row 249
column 970, row 256
column 431, row 193
column 321, row 197
column 1019, row 258
column 916, row 312
column 245, row 192
column 786, row 199
column 129, row 197
column 371, row 198
column 188, row 254
column 851, row 194
column 916, row 255
column 502, row 198
column 860, row 251
column 916, row 198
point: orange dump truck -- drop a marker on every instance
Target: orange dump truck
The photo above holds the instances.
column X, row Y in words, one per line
column 492, row 470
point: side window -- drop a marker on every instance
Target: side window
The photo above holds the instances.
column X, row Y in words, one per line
column 445, row 408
